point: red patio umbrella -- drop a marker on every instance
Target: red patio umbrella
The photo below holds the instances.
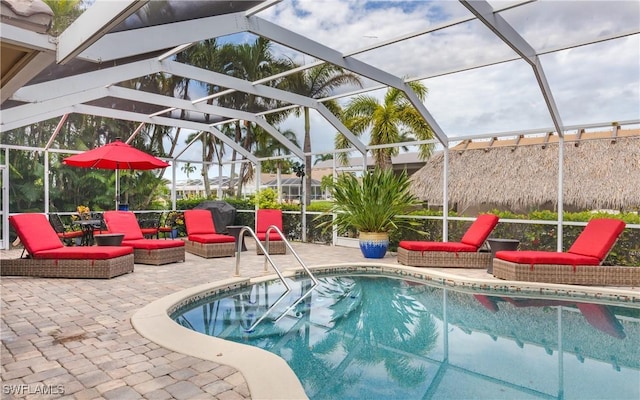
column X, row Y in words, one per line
column 116, row 155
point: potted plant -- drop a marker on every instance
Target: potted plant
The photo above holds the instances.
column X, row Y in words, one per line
column 371, row 206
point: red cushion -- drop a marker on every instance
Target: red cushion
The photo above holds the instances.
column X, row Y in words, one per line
column 153, row 244
column 546, row 257
column 84, row 253
column 69, row 234
column 123, row 222
column 480, row 230
column 273, row 235
column 35, row 232
column 199, row 221
column 436, row 246
column 266, row 217
column 211, row 238
column 597, row 238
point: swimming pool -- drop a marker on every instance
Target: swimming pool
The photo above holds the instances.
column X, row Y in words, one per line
column 374, row 337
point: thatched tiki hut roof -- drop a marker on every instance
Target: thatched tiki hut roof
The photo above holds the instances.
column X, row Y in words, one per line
column 601, row 171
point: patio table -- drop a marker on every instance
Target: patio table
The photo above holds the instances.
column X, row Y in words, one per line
column 109, row 239
column 87, row 226
column 497, row 244
column 234, row 230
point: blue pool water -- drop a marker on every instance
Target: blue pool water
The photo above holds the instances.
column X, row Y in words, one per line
column 374, row 337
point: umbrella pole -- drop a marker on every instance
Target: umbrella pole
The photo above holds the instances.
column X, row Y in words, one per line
column 117, row 189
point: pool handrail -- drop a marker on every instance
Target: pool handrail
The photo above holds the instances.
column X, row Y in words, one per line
column 266, row 255
column 269, row 260
column 286, row 243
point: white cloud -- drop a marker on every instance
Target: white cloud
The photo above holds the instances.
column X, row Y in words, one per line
column 589, row 84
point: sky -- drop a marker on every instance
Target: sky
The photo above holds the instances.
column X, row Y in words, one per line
column 590, row 84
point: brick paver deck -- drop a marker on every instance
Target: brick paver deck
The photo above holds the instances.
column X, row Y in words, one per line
column 72, row 338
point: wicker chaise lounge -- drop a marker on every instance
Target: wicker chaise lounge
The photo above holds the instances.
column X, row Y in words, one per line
column 463, row 254
column 145, row 251
column 202, row 238
column 49, row 258
column 581, row 264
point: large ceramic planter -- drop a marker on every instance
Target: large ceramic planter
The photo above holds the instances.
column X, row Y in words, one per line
column 374, row 244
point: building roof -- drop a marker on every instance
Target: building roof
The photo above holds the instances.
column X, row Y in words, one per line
column 25, row 50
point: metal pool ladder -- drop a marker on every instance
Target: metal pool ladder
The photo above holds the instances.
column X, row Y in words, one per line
column 269, row 260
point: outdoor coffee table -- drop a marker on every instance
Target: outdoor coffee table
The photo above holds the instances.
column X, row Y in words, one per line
column 109, row 239
column 234, row 230
column 496, row 245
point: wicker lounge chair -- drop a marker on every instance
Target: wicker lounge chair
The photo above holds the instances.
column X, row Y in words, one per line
column 264, row 219
column 463, row 254
column 49, row 258
column 581, row 264
column 202, row 238
column 146, row 251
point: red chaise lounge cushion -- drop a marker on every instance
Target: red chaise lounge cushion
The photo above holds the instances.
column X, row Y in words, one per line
column 85, row 253
column 152, row 244
column 436, row 246
column 201, row 229
column 41, row 241
column 590, row 248
column 480, row 230
column 598, row 237
column 125, row 222
column 546, row 257
column 473, row 238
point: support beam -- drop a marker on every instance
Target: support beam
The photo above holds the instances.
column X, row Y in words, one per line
column 130, row 116
column 90, row 80
column 33, row 66
column 94, row 23
column 298, row 42
column 505, row 32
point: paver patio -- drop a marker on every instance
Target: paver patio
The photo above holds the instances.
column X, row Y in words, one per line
column 73, row 338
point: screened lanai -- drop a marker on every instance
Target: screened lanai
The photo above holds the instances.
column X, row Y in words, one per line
column 493, row 69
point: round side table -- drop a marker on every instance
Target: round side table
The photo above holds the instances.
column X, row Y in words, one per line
column 496, row 245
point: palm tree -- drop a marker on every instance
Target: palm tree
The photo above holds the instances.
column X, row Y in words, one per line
column 188, row 169
column 64, row 13
column 267, row 146
column 317, row 82
column 204, row 55
column 250, row 62
column 392, row 121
